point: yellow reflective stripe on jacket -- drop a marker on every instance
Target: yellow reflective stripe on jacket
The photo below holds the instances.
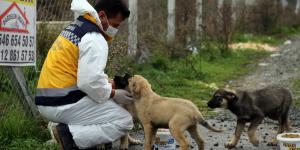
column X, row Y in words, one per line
column 54, row 92
column 60, row 66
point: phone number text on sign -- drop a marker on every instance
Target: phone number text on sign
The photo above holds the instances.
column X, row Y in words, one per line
column 16, row 48
column 17, row 32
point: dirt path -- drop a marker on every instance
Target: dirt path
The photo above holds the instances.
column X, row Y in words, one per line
column 281, row 68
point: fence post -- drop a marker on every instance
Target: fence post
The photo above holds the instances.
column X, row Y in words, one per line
column 220, row 3
column 297, row 9
column 171, row 21
column 18, row 80
column 199, row 20
column 233, row 9
column 249, row 2
column 132, row 27
column 284, row 3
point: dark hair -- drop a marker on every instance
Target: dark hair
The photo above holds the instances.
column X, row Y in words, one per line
column 113, row 7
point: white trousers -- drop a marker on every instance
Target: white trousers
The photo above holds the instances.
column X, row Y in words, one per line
column 91, row 123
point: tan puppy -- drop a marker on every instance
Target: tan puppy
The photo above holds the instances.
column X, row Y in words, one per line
column 127, row 139
column 155, row 111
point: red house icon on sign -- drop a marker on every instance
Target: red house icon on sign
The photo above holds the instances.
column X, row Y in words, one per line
column 14, row 19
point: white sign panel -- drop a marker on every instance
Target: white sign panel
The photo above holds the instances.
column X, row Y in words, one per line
column 17, row 32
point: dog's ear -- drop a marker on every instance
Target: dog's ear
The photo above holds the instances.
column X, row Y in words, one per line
column 127, row 76
column 118, row 81
column 117, row 78
column 135, row 87
column 231, row 95
column 139, row 85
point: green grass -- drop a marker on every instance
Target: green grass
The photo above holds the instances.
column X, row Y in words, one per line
column 296, row 89
column 285, row 31
column 17, row 130
column 194, row 78
column 275, row 37
column 272, row 40
column 197, row 82
column 29, row 144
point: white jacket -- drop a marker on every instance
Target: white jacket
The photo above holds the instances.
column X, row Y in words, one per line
column 93, row 52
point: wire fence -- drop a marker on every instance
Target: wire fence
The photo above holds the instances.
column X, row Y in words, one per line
column 54, row 15
column 152, row 28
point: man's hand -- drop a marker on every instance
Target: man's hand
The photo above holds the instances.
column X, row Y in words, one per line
column 112, row 82
column 122, row 97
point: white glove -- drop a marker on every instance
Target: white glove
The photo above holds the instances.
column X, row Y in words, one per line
column 122, row 97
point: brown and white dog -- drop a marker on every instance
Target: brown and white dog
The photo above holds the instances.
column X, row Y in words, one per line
column 121, row 82
column 253, row 107
column 154, row 111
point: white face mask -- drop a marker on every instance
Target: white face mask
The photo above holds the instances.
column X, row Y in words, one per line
column 111, row 31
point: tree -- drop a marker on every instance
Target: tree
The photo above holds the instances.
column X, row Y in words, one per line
column 284, row 3
column 297, row 10
column 220, row 4
column 199, row 19
column 171, row 21
column 132, row 27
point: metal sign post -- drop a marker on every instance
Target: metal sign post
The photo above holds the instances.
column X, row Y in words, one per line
column 18, row 44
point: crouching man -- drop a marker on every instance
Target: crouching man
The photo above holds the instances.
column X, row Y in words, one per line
column 74, row 90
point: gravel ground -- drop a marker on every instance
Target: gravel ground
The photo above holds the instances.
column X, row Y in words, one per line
column 281, row 68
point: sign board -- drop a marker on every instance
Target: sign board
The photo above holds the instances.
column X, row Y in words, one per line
column 17, row 32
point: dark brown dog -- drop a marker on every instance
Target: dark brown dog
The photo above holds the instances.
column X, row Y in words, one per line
column 155, row 111
column 253, row 107
column 121, row 82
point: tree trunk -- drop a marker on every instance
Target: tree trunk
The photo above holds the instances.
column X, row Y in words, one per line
column 199, row 19
column 132, row 27
column 284, row 3
column 249, row 2
column 171, row 21
column 233, row 8
column 220, row 4
column 297, row 10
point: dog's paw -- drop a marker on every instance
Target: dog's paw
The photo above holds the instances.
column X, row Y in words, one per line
column 135, row 142
column 273, row 142
column 100, row 147
column 222, row 129
column 254, row 142
column 230, row 145
column 123, row 147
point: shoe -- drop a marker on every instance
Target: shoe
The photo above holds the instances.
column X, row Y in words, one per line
column 106, row 146
column 63, row 137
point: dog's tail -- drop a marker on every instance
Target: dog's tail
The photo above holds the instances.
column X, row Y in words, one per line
column 204, row 123
column 209, row 126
